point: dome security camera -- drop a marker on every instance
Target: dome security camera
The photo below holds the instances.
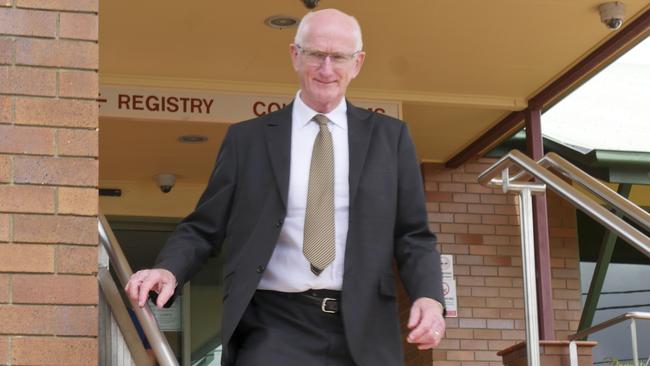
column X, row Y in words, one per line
column 612, row 14
column 310, row 4
column 165, row 182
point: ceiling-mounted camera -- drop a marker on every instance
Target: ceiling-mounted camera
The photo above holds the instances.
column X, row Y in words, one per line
column 311, row 4
column 165, row 181
column 612, row 14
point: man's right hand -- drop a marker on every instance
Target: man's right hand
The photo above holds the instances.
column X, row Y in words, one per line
column 158, row 280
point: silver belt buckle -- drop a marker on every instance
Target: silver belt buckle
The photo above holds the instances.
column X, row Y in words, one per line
column 322, row 306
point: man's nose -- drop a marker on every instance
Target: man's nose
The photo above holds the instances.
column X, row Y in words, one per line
column 326, row 66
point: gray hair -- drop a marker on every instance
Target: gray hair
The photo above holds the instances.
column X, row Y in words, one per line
column 304, row 24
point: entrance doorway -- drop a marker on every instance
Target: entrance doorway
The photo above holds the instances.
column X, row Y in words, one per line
column 132, row 152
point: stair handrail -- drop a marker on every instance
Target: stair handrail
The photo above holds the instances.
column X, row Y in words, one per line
column 121, row 316
column 516, row 158
column 634, row 212
column 525, row 169
column 608, row 323
column 162, row 350
column 575, row 174
column 573, row 349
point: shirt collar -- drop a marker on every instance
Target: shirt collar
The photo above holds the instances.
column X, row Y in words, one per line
column 303, row 114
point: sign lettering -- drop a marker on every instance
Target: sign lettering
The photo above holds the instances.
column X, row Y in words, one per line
column 204, row 106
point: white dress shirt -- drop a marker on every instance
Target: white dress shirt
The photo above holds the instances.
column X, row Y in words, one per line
column 288, row 269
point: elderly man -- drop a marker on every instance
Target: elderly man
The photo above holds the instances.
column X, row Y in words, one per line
column 312, row 205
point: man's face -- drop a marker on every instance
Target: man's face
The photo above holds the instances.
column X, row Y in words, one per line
column 326, row 62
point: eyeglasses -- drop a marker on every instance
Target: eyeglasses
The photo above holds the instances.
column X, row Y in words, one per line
column 317, row 58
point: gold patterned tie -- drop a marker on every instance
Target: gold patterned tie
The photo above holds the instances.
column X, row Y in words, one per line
column 318, row 244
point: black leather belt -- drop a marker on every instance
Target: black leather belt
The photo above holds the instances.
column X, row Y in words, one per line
column 327, row 300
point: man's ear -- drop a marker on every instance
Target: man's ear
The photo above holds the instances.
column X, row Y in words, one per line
column 358, row 63
column 293, row 53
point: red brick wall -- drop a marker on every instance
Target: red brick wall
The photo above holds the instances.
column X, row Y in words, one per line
column 565, row 271
column 479, row 227
column 48, row 180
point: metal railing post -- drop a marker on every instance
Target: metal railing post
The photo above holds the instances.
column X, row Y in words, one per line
column 530, row 287
column 573, row 353
column 635, row 347
column 528, row 260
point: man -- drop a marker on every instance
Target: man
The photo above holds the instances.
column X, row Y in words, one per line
column 311, row 205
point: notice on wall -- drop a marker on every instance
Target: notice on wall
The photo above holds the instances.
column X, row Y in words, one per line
column 169, row 320
column 449, row 284
column 447, row 265
column 449, row 289
column 204, row 106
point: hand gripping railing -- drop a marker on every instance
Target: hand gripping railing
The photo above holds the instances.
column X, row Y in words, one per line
column 573, row 349
column 527, row 168
column 164, row 354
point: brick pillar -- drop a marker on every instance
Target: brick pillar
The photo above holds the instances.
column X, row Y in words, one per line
column 48, row 182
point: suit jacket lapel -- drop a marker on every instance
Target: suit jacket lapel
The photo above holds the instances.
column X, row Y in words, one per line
column 359, row 131
column 278, row 142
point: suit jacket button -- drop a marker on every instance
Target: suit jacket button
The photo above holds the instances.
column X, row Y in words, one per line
column 279, row 223
column 260, row 269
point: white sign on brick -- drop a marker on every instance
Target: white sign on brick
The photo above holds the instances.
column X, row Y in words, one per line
column 447, row 265
column 449, row 289
column 449, row 284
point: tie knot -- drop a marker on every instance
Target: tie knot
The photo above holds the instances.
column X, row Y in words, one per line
column 321, row 119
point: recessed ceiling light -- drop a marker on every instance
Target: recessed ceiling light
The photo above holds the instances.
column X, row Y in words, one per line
column 281, row 21
column 192, row 139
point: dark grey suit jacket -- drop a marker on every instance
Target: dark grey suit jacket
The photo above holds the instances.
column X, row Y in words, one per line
column 242, row 210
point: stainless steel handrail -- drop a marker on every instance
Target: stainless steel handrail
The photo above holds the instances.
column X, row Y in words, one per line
column 573, row 351
column 161, row 348
column 122, row 317
column 571, row 194
column 634, row 212
column 528, row 168
column 629, row 209
column 608, row 323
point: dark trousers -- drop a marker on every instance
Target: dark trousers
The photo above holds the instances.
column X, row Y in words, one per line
column 285, row 330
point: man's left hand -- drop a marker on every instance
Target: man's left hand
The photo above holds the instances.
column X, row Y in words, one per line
column 426, row 323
